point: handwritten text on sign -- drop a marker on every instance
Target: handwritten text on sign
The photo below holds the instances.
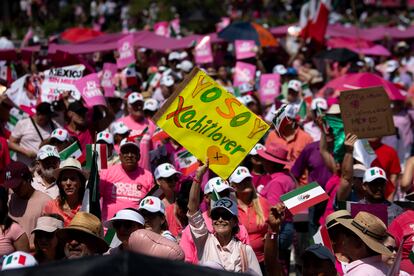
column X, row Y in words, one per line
column 208, row 121
column 366, row 112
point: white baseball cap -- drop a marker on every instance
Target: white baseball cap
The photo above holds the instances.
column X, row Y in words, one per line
column 167, row 80
column 125, row 214
column 134, row 97
column 47, row 151
column 295, row 85
column 218, row 184
column 226, row 203
column 185, row 66
column 127, row 141
column 151, row 104
column 118, row 128
column 391, row 66
column 280, row 69
column 257, row 147
column 319, row 102
column 247, row 99
column 60, row 134
column 239, row 175
column 174, row 56
column 374, row 173
column 105, row 136
column 18, row 259
column 165, row 170
column 245, row 87
column 152, row 204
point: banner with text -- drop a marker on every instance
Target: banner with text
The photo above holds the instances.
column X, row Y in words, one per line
column 245, row 49
column 126, row 52
column 243, row 73
column 58, row 80
column 210, row 122
column 89, row 87
column 269, row 87
column 107, row 78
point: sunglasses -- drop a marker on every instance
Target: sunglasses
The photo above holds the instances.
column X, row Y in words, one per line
column 127, row 224
column 392, row 248
column 225, row 215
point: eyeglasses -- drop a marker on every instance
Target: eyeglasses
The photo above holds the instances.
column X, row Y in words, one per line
column 127, row 224
column 225, row 215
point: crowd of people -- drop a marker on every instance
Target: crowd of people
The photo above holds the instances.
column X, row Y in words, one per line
column 150, row 203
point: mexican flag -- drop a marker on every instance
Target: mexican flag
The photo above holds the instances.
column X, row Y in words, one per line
column 314, row 17
column 411, row 255
column 304, row 197
column 159, row 135
column 73, row 151
column 187, row 163
column 111, row 238
column 102, row 152
column 154, row 80
column 20, row 259
column 337, row 126
column 90, row 202
column 364, row 153
column 14, row 116
column 322, row 237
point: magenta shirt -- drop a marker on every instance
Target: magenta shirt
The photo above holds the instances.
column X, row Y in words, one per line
column 280, row 183
column 84, row 138
column 121, row 189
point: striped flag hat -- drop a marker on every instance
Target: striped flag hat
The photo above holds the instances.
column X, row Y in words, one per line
column 239, row 175
column 106, row 137
column 60, row 134
column 374, row 173
column 18, row 259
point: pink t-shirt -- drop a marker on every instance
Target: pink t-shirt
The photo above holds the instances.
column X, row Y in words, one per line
column 189, row 248
column 146, row 143
column 9, row 237
column 84, row 138
column 121, row 189
column 256, row 232
column 331, row 187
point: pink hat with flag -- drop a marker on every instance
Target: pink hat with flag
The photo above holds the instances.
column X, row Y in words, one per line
column 374, row 173
column 275, row 152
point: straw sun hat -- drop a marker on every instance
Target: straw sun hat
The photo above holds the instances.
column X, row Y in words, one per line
column 370, row 229
column 88, row 225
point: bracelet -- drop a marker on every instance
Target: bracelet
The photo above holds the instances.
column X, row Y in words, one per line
column 196, row 180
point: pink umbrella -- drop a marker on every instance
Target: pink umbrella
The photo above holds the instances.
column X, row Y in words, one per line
column 363, row 80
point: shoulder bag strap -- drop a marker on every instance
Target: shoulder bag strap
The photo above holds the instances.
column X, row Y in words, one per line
column 37, row 130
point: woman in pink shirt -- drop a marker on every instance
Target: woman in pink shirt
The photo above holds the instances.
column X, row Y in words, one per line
column 71, row 182
column 253, row 210
column 12, row 236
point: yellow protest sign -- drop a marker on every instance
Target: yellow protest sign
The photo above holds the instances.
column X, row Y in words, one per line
column 210, row 122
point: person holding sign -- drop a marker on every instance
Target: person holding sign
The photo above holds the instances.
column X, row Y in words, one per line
column 220, row 249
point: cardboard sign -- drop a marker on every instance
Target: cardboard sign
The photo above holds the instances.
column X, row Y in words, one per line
column 269, row 87
column 126, row 52
column 245, row 49
column 210, row 122
column 366, row 112
column 89, row 87
column 58, row 80
column 202, row 51
column 243, row 73
column 108, row 73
